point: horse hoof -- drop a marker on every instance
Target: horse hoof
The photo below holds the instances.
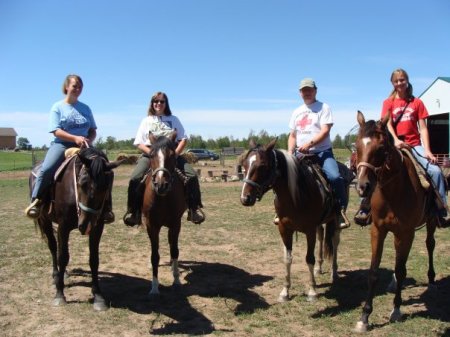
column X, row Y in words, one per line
column 153, row 295
column 395, row 316
column 283, row 298
column 360, row 327
column 311, row 298
column 59, row 301
column 99, row 304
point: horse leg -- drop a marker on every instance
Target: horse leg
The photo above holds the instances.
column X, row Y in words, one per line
column 310, row 261
column 153, row 234
column 431, row 243
column 286, row 236
column 63, row 260
column 47, row 229
column 320, row 234
column 377, row 241
column 334, row 266
column 173, row 235
column 94, row 242
column 402, row 249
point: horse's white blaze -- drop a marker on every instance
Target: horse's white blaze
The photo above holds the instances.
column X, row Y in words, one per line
column 161, row 163
column 251, row 161
column 366, row 141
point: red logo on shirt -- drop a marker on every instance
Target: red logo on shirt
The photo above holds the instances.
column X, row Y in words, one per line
column 304, row 122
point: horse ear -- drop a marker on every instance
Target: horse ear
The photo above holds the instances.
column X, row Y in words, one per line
column 272, row 144
column 173, row 135
column 252, row 144
column 113, row 164
column 151, row 137
column 360, row 118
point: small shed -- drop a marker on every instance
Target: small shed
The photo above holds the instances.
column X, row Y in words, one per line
column 437, row 100
column 8, row 138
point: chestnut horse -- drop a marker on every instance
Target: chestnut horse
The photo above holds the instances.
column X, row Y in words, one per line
column 78, row 196
column 300, row 203
column 399, row 205
column 164, row 203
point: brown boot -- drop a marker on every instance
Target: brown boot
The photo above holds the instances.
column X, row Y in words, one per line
column 108, row 216
column 132, row 219
column 34, row 209
column 444, row 220
column 362, row 217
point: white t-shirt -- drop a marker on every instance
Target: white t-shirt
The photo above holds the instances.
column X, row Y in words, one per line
column 158, row 126
column 307, row 121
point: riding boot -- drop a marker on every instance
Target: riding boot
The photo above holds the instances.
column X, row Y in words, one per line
column 34, row 209
column 343, row 220
column 363, row 216
column 135, row 195
column 195, row 213
column 443, row 219
column 108, row 215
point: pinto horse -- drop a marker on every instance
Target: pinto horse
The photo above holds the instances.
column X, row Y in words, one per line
column 164, row 203
column 300, row 205
column 399, row 205
column 78, row 196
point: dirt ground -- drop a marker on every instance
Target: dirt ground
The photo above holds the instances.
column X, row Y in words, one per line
column 231, row 273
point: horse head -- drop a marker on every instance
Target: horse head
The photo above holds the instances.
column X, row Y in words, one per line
column 163, row 162
column 373, row 146
column 260, row 167
column 94, row 183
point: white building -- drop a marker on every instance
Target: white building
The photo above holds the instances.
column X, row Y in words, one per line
column 437, row 100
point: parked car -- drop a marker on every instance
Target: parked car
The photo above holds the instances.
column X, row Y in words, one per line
column 203, row 154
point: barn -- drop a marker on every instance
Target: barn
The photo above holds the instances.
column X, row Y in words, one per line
column 437, row 100
column 8, row 138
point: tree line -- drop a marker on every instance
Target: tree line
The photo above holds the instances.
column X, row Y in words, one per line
column 197, row 142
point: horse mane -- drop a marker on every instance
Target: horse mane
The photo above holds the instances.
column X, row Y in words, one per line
column 97, row 160
column 298, row 177
column 163, row 142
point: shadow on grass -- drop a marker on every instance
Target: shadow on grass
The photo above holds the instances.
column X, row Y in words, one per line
column 204, row 279
column 350, row 292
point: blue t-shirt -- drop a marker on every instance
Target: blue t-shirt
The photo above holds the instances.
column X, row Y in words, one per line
column 75, row 119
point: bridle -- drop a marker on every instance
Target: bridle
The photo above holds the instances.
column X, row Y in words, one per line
column 166, row 171
column 268, row 184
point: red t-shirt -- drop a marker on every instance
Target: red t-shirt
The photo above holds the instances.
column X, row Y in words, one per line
column 407, row 128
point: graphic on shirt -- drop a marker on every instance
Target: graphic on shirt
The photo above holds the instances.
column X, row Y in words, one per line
column 408, row 115
column 75, row 120
column 304, row 122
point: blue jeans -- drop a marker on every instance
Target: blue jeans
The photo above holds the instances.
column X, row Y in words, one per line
column 53, row 159
column 433, row 170
column 331, row 170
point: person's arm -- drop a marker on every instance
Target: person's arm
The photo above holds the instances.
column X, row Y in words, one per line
column 64, row 135
column 425, row 136
column 292, row 141
column 324, row 132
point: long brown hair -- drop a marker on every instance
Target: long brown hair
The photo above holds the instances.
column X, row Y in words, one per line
column 67, row 81
column 151, row 110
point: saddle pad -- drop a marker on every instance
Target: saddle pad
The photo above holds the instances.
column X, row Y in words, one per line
column 63, row 166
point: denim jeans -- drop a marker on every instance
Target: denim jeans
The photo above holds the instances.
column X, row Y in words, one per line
column 53, row 159
column 433, row 170
column 331, row 170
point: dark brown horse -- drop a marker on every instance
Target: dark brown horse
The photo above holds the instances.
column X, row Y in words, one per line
column 399, row 205
column 78, row 196
column 301, row 205
column 164, row 203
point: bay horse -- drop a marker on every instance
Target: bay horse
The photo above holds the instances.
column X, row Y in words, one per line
column 163, row 204
column 399, row 205
column 301, row 205
column 76, row 200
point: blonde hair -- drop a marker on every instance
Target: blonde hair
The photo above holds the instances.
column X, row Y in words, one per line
column 409, row 90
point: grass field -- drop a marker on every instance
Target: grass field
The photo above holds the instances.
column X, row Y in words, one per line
column 231, row 272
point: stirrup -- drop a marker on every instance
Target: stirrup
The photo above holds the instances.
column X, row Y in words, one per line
column 196, row 216
column 108, row 217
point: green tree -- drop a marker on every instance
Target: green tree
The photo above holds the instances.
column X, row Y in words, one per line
column 338, row 142
column 23, row 143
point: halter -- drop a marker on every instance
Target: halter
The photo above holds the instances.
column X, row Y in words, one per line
column 267, row 185
column 164, row 170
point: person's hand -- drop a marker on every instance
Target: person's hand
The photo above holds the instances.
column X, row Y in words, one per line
column 81, row 141
column 400, row 143
column 430, row 157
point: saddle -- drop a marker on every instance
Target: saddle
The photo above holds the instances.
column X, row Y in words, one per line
column 424, row 178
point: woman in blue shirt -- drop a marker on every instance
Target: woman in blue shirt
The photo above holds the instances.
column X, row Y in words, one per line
column 73, row 125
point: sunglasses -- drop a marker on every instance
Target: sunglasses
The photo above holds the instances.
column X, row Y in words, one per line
column 159, row 101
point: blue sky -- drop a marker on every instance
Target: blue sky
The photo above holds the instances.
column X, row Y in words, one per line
column 228, row 66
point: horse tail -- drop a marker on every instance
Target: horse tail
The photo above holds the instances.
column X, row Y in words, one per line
column 330, row 231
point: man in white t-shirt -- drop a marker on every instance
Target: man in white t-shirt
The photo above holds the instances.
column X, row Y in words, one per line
column 310, row 126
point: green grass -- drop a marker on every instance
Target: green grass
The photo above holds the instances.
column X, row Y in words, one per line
column 231, row 271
